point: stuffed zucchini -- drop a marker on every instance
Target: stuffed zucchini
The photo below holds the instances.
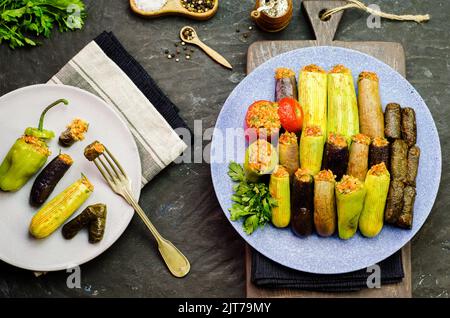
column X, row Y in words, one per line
column 350, row 194
column 302, row 203
column 285, row 84
column 371, row 119
column 288, row 152
column 280, row 190
column 313, row 96
column 342, row 105
column 359, row 156
column 324, row 203
column 261, row 159
column 60, row 208
column 377, row 187
column 311, row 149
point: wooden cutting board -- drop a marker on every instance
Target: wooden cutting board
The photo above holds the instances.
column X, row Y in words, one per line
column 388, row 52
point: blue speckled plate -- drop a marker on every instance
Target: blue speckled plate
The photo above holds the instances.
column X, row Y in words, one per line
column 315, row 254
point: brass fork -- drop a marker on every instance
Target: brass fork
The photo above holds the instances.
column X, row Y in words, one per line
column 117, row 179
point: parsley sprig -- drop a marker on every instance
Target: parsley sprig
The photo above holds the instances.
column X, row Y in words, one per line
column 22, row 20
column 252, row 201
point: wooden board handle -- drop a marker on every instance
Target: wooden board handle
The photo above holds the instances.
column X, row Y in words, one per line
column 324, row 30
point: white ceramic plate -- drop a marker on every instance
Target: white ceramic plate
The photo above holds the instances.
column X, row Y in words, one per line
column 20, row 109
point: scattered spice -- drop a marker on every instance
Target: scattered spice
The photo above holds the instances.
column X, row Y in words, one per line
column 188, row 33
column 177, row 60
column 188, row 57
column 183, row 43
column 198, row 6
column 169, row 56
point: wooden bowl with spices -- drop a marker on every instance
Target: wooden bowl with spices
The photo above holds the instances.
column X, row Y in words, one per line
column 194, row 9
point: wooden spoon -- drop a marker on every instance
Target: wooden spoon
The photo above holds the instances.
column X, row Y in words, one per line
column 174, row 7
column 188, row 35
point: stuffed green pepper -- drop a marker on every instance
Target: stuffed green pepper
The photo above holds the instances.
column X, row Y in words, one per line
column 28, row 154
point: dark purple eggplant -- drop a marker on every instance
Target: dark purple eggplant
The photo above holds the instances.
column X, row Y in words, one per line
column 302, row 198
column 379, row 152
column 336, row 155
column 74, row 132
column 48, row 178
column 285, row 84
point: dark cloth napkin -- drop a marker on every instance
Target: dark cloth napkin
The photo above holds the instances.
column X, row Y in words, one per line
column 268, row 274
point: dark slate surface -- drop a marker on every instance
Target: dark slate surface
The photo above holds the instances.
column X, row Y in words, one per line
column 181, row 201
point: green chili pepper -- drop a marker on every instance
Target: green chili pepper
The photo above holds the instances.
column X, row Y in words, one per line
column 27, row 156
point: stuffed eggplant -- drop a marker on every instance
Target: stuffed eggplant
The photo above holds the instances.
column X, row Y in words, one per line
column 409, row 128
column 261, row 159
column 342, row 105
column 288, row 151
column 394, row 204
column 311, row 149
column 279, row 189
column 48, row 178
column 377, row 187
column 94, row 216
column 379, row 152
column 74, row 132
column 392, row 121
column 413, row 165
column 285, row 84
column 405, row 219
column 93, row 150
column 359, row 156
column 335, row 157
column 324, row 203
column 313, row 96
column 302, row 203
column 371, row 119
column 399, row 160
column 350, row 194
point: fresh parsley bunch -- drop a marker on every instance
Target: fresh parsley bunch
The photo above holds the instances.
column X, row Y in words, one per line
column 253, row 201
column 21, row 19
